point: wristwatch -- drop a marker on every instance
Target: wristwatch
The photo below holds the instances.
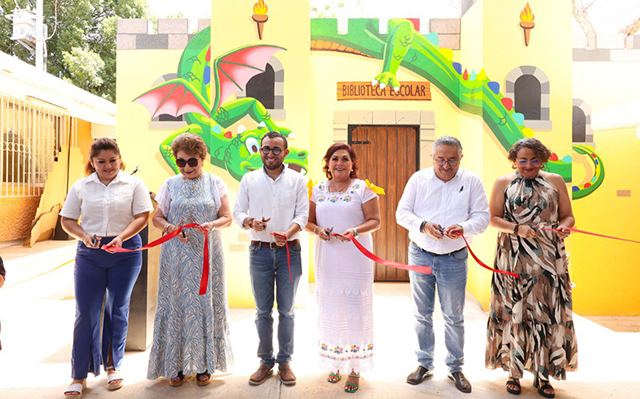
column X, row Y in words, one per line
column 355, row 232
column 250, row 222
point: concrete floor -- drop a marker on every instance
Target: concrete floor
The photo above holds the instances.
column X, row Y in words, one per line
column 37, row 312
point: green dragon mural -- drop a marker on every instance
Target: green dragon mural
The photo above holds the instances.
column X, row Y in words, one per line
column 189, row 95
column 471, row 92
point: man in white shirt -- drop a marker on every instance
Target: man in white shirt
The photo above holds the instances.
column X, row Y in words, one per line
column 273, row 205
column 439, row 204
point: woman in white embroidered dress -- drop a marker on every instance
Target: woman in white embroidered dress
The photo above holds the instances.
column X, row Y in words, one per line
column 344, row 277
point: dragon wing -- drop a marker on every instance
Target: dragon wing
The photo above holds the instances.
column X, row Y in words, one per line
column 174, row 97
column 234, row 69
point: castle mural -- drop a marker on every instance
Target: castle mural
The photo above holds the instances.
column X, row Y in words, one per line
column 189, row 95
column 470, row 91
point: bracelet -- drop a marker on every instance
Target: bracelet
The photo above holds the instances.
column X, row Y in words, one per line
column 166, row 226
column 424, row 222
column 250, row 222
column 515, row 229
column 355, row 232
column 120, row 237
column 314, row 229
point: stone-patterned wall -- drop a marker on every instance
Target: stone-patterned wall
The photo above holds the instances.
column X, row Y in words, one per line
column 173, row 34
column 615, row 48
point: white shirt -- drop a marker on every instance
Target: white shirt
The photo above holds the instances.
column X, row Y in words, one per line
column 107, row 210
column 285, row 200
column 462, row 200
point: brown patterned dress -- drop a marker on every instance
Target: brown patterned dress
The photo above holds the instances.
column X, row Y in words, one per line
column 530, row 323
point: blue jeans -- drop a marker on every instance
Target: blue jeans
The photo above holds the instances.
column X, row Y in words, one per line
column 449, row 274
column 268, row 268
column 99, row 276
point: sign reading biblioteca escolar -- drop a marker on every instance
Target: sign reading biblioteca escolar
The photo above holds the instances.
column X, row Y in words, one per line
column 416, row 91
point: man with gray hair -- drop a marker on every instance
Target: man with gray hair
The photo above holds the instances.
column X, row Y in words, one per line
column 438, row 205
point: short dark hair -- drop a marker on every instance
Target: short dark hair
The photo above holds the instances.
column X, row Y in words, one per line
column 541, row 151
column 191, row 144
column 336, row 147
column 99, row 145
column 275, row 135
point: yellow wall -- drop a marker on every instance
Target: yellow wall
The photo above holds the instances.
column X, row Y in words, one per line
column 491, row 38
column 605, row 271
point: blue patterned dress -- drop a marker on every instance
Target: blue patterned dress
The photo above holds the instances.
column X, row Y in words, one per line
column 191, row 332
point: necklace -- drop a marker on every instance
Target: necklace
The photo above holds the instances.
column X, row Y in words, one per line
column 340, row 190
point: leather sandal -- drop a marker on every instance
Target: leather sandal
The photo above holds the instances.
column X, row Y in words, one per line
column 543, row 386
column 201, row 382
column 514, row 382
column 333, row 377
column 177, row 380
column 76, row 387
column 112, row 386
column 351, row 387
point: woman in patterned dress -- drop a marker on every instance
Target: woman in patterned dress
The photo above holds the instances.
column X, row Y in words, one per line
column 191, row 331
column 530, row 323
column 344, row 277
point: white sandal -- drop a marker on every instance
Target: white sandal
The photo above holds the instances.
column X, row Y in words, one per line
column 75, row 387
column 113, row 377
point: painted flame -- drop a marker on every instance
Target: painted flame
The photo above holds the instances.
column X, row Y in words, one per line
column 526, row 14
column 260, row 8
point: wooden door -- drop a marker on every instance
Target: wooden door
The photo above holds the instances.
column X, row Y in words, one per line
column 387, row 156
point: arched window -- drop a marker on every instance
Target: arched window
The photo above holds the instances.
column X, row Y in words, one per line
column 527, row 97
column 582, row 132
column 579, row 131
column 268, row 88
column 261, row 87
column 529, row 89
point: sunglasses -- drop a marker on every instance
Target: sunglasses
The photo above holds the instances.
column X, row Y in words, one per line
column 193, row 162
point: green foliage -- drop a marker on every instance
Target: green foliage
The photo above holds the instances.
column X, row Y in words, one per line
column 82, row 47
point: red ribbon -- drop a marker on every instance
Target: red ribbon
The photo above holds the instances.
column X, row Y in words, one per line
column 205, row 264
column 591, row 234
column 365, row 252
column 286, row 243
column 478, row 261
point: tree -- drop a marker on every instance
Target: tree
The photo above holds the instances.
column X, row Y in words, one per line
column 579, row 11
column 82, row 44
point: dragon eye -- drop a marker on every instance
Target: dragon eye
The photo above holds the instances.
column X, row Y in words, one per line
column 252, row 145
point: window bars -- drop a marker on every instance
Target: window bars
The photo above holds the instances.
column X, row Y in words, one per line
column 32, row 136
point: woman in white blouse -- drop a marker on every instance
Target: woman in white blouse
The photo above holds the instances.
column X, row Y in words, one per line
column 191, row 331
column 113, row 207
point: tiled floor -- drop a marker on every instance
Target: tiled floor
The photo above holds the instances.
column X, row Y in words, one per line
column 37, row 312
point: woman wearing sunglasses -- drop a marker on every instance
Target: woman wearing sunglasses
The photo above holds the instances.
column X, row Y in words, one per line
column 191, row 332
column 530, row 324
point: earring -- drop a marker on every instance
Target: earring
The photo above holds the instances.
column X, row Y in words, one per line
column 513, row 166
column 543, row 166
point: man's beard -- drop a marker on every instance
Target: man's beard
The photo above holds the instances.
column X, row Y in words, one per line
column 275, row 166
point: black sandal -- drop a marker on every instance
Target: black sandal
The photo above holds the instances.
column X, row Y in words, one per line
column 179, row 382
column 541, row 388
column 200, row 382
column 514, row 382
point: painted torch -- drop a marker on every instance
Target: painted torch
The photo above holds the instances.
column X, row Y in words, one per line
column 260, row 16
column 526, row 23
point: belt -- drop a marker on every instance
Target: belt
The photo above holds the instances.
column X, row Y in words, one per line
column 434, row 254
column 273, row 244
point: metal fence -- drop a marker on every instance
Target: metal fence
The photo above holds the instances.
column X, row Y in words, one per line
column 32, row 137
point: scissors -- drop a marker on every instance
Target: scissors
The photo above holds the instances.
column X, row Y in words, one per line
column 94, row 241
column 329, row 232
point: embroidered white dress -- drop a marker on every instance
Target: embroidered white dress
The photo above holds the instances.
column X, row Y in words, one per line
column 344, row 281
